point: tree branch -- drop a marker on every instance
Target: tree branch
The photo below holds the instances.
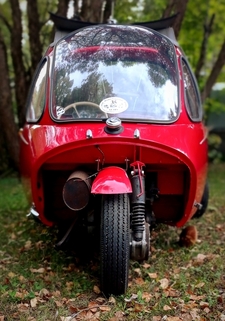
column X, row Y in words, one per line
column 202, row 56
column 169, row 9
column 9, row 27
column 181, row 9
column 216, row 69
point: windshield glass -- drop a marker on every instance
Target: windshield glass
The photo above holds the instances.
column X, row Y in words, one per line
column 123, row 71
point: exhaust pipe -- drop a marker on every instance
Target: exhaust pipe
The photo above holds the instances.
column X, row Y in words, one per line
column 76, row 191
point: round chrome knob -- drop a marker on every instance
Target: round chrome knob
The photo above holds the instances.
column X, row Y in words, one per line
column 113, row 122
column 113, row 126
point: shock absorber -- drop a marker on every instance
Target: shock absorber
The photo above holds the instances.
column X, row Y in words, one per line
column 138, row 200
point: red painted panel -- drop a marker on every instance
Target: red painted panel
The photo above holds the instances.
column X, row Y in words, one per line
column 170, row 182
column 111, row 180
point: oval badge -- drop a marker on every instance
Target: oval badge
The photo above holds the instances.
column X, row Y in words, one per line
column 113, row 105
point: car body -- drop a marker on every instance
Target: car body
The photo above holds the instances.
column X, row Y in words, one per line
column 114, row 135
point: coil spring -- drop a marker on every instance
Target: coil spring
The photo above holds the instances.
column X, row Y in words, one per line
column 138, row 221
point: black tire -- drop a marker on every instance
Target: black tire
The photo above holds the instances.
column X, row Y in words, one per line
column 204, row 202
column 115, row 247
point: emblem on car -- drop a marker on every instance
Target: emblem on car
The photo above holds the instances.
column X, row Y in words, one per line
column 113, row 105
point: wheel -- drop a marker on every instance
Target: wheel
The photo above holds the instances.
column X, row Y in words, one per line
column 204, row 202
column 79, row 112
column 115, row 248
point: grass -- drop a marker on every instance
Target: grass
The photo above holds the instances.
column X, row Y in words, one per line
column 40, row 283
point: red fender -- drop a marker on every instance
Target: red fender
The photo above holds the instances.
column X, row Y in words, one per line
column 111, row 180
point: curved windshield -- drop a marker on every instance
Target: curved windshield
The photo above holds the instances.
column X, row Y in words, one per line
column 128, row 71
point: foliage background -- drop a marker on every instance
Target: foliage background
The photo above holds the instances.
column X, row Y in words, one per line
column 25, row 33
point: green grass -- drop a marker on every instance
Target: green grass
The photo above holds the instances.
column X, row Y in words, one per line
column 39, row 283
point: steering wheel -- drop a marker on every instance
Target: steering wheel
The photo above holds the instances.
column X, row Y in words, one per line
column 80, row 103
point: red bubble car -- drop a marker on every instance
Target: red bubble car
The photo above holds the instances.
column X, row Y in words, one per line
column 114, row 140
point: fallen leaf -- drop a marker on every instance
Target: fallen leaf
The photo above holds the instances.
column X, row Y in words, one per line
column 33, row 302
column 133, row 297
column 11, row 275
column 56, row 293
column 219, row 227
column 119, row 314
column 22, row 307
column 6, row 281
column 186, row 317
column 69, row 285
column 2, row 317
column 200, row 257
column 13, row 236
column 204, row 304
column 40, row 270
column 164, row 283
column 96, row 289
column 194, row 314
column 139, row 281
column 170, row 292
column 19, row 295
column 206, row 310
column 138, row 307
column 58, row 304
column 200, row 285
column 93, row 306
column 138, row 271
column 73, row 309
column 222, row 317
column 112, row 300
column 166, row 308
column 28, row 245
column 44, row 292
column 104, row 308
column 157, row 295
column 89, row 315
column 153, row 275
column 96, row 316
column 39, row 244
column 189, row 306
column 146, row 296
column 146, row 265
column 101, row 300
column 22, row 279
column 197, row 297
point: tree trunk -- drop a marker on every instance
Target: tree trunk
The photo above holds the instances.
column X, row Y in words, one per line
column 21, row 81
column 9, row 129
column 76, row 7
column 62, row 7
column 109, row 10
column 34, row 29
column 92, row 10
